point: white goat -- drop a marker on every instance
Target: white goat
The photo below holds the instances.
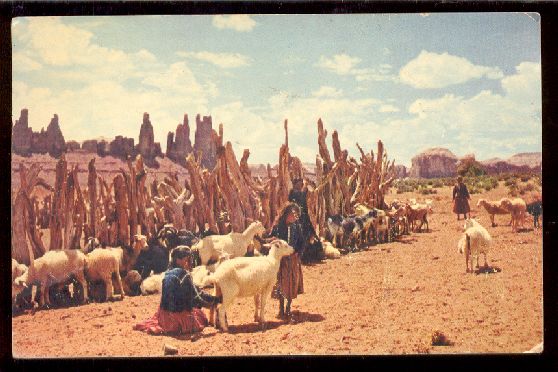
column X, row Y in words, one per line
column 517, row 207
column 54, row 267
column 154, row 283
column 220, row 247
column 247, row 277
column 474, row 241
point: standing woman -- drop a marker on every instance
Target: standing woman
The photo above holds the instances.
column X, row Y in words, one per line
column 461, row 199
column 289, row 278
column 181, row 301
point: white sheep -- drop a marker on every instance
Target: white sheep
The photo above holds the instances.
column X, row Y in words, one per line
column 517, row 207
column 220, row 247
column 247, row 277
column 330, row 251
column 474, row 241
column 105, row 263
column 54, row 267
column 493, row 208
column 154, row 283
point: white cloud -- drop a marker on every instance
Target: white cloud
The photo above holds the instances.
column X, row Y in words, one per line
column 240, row 23
column 432, row 70
column 341, row 64
column 223, row 60
column 326, row 91
column 24, row 63
column 388, row 109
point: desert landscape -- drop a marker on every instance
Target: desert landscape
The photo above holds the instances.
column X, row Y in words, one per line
column 388, row 299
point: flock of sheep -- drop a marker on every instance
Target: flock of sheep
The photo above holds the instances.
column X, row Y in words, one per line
column 235, row 264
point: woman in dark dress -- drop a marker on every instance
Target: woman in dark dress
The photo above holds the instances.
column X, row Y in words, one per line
column 461, row 199
column 312, row 246
column 181, row 301
column 289, row 278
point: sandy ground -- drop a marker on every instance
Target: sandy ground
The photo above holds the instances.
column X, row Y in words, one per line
column 389, row 299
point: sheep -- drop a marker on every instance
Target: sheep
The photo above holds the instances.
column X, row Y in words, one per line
column 54, row 267
column 102, row 265
column 493, row 208
column 220, row 247
column 131, row 283
column 247, row 277
column 17, row 271
column 330, row 251
column 345, row 228
column 535, row 210
column 105, row 263
column 154, row 283
column 173, row 237
column 474, row 241
column 517, row 207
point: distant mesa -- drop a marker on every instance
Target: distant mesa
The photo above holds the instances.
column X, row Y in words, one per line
column 433, row 163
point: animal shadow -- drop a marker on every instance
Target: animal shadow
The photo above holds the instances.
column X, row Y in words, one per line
column 488, row 270
column 303, row 317
column 255, row 327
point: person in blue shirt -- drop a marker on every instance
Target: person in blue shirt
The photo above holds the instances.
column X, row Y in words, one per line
column 181, row 301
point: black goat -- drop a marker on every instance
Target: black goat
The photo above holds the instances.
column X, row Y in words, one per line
column 173, row 237
column 155, row 258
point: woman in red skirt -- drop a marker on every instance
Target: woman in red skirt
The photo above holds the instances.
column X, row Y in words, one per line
column 289, row 278
column 181, row 301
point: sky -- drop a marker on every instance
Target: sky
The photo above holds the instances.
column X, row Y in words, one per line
column 469, row 82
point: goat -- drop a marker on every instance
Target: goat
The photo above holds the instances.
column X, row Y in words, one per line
column 155, row 258
column 517, row 207
column 54, row 267
column 247, row 277
column 219, row 247
column 493, row 208
column 474, row 241
column 417, row 212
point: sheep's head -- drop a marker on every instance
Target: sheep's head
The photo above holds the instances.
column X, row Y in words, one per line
column 481, row 202
column 20, row 283
column 140, row 243
column 279, row 248
column 506, row 203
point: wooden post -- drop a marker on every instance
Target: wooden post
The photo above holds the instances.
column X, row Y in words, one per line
column 58, row 205
column 121, row 199
column 92, row 194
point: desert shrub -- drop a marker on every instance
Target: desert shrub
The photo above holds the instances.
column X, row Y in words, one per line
column 428, row 191
column 511, row 181
column 438, row 183
column 470, row 168
column 525, row 177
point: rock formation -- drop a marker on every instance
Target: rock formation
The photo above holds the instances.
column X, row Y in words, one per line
column 122, row 147
column 434, row 162
column 25, row 141
column 147, row 146
column 203, row 142
column 519, row 163
column 89, row 146
column 73, row 146
column 179, row 146
column 400, row 171
column 21, row 135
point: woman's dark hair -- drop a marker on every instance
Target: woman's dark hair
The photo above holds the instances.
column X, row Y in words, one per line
column 179, row 253
column 282, row 218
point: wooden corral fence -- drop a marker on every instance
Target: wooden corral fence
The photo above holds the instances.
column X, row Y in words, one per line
column 224, row 199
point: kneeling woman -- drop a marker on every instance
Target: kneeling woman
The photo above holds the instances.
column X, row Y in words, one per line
column 181, row 301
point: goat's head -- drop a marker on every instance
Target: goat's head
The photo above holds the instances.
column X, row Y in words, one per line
column 258, row 228
column 279, row 248
column 140, row 243
column 91, row 244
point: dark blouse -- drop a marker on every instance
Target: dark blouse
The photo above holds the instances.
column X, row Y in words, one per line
column 299, row 197
column 180, row 293
column 296, row 238
column 460, row 191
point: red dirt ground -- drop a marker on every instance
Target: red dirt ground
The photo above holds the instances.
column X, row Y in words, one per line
column 389, row 299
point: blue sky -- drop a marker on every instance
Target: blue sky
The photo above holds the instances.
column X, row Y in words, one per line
column 470, row 82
